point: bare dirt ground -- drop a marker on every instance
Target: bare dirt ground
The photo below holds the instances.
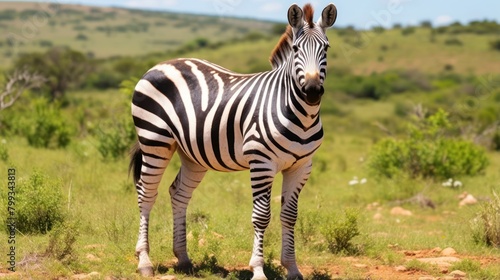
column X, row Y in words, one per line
column 361, row 266
column 348, row 268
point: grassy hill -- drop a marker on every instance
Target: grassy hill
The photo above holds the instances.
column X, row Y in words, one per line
column 110, row 32
column 106, row 32
column 365, row 52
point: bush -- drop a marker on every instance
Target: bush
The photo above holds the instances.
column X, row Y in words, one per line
column 47, row 127
column 380, row 85
column 429, row 151
column 408, row 30
column 340, row 232
column 61, row 242
column 495, row 141
column 103, row 78
column 81, row 37
column 117, row 135
column 486, row 225
column 39, row 204
column 307, row 226
column 495, row 45
column 453, row 42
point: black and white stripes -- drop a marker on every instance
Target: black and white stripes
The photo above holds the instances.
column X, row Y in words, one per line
column 220, row 120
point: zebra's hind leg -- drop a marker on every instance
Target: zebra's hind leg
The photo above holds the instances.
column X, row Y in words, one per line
column 294, row 180
column 148, row 165
column 181, row 190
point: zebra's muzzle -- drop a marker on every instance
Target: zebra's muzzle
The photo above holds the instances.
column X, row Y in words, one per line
column 313, row 90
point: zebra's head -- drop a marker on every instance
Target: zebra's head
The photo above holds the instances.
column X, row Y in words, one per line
column 309, row 47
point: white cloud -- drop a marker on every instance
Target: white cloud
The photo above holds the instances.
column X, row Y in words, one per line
column 270, row 7
column 150, row 4
column 443, row 20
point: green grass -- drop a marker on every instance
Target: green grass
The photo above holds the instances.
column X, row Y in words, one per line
column 103, row 204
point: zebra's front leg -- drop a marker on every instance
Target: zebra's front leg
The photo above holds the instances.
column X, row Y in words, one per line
column 262, row 179
column 294, row 180
column 181, row 190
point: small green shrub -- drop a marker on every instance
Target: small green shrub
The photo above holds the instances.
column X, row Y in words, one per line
column 61, row 242
column 307, row 226
column 39, row 204
column 495, row 45
column 429, row 151
column 486, row 225
column 339, row 233
column 46, row 127
column 115, row 137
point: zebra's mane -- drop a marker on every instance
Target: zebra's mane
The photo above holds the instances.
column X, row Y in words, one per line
column 283, row 49
column 308, row 15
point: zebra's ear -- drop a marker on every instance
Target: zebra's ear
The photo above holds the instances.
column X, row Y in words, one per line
column 295, row 17
column 328, row 16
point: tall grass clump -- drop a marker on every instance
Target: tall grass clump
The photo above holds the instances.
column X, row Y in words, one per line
column 39, row 204
column 430, row 150
column 486, row 225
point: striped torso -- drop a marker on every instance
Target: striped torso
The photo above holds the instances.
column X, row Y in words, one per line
column 222, row 120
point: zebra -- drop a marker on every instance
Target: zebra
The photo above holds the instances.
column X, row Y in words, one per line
column 216, row 119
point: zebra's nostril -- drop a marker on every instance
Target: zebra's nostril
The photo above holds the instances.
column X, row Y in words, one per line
column 314, row 89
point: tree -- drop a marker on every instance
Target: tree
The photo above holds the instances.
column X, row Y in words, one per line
column 426, row 24
column 61, row 66
column 17, row 83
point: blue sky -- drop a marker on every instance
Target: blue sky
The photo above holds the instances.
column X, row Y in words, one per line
column 360, row 13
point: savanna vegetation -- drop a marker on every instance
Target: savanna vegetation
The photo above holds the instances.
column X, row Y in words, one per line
column 410, row 115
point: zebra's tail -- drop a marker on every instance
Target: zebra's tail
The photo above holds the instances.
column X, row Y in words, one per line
column 135, row 162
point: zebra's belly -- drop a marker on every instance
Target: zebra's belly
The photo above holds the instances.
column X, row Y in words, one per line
column 218, row 152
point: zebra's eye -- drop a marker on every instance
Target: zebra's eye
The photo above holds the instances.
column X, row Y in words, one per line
column 327, row 46
column 295, row 48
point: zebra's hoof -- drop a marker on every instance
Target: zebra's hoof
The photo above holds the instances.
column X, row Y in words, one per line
column 146, row 271
column 258, row 274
